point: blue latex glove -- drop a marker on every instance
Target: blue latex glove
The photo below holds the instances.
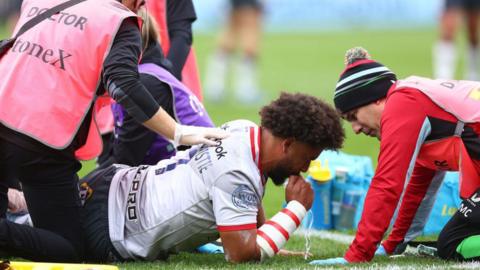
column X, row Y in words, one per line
column 330, row 261
column 210, row 249
column 381, row 251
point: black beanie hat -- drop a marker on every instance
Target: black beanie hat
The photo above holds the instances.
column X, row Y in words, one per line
column 362, row 82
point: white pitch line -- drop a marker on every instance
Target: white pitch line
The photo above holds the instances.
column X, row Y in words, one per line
column 467, row 265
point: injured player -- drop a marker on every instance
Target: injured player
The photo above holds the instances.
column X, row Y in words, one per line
column 150, row 212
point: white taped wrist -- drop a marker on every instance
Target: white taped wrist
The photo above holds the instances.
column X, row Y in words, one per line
column 273, row 235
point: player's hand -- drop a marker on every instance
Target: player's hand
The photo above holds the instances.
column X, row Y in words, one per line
column 331, row 261
column 299, row 190
column 16, row 201
column 285, row 252
column 381, row 251
column 191, row 135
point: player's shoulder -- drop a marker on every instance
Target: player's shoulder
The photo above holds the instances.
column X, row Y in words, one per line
column 241, row 134
column 239, row 125
column 234, row 153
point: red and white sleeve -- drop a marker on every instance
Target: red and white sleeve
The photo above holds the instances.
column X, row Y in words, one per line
column 273, row 235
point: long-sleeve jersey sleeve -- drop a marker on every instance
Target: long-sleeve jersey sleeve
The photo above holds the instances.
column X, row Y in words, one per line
column 404, row 126
column 415, row 195
column 120, row 74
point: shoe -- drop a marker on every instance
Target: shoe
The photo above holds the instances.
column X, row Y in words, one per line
column 211, row 248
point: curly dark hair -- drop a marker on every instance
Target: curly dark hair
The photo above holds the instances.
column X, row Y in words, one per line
column 305, row 118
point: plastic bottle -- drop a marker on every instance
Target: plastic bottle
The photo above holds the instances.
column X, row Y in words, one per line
column 320, row 177
column 338, row 193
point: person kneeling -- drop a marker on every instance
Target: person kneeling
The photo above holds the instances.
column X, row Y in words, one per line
column 150, row 212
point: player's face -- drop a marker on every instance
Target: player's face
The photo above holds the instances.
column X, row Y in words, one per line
column 365, row 120
column 297, row 158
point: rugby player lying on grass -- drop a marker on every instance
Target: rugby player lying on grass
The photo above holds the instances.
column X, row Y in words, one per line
column 150, row 212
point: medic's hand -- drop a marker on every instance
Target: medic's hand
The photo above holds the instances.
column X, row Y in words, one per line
column 299, row 190
column 381, row 251
column 331, row 261
column 191, row 135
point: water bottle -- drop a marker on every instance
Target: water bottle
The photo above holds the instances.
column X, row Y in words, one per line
column 338, row 193
column 320, row 178
column 348, row 209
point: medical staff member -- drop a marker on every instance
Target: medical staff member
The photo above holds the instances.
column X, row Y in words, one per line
column 134, row 144
column 425, row 126
column 51, row 78
column 176, row 18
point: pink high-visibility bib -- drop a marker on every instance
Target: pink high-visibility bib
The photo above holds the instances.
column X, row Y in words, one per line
column 104, row 116
column 462, row 100
column 51, row 74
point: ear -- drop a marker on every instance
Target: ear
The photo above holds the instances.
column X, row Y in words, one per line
column 380, row 101
column 286, row 144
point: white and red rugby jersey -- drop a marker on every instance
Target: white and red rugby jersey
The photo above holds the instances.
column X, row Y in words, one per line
column 183, row 202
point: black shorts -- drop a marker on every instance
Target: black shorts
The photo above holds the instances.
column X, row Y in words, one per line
column 466, row 5
column 94, row 190
column 465, row 223
column 236, row 4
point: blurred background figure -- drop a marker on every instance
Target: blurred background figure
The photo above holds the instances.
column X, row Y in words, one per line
column 243, row 30
column 9, row 11
column 444, row 52
column 175, row 19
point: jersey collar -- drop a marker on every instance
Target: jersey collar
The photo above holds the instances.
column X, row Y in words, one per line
column 255, row 139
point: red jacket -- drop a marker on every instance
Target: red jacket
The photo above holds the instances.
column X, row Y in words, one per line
column 410, row 123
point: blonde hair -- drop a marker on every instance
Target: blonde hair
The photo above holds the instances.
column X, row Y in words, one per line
column 149, row 28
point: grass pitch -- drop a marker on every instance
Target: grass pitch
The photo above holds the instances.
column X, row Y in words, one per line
column 311, row 63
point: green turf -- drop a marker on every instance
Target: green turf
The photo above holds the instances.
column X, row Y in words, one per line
column 308, row 63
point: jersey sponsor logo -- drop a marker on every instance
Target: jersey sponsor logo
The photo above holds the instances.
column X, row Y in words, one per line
column 219, row 150
column 244, row 197
column 475, row 198
column 464, row 210
column 46, row 55
column 132, row 198
column 203, row 159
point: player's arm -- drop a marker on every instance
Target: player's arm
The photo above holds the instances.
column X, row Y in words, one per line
column 260, row 217
column 413, row 197
column 264, row 242
column 401, row 134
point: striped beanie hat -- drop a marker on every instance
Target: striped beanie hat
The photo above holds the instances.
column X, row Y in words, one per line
column 362, row 82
